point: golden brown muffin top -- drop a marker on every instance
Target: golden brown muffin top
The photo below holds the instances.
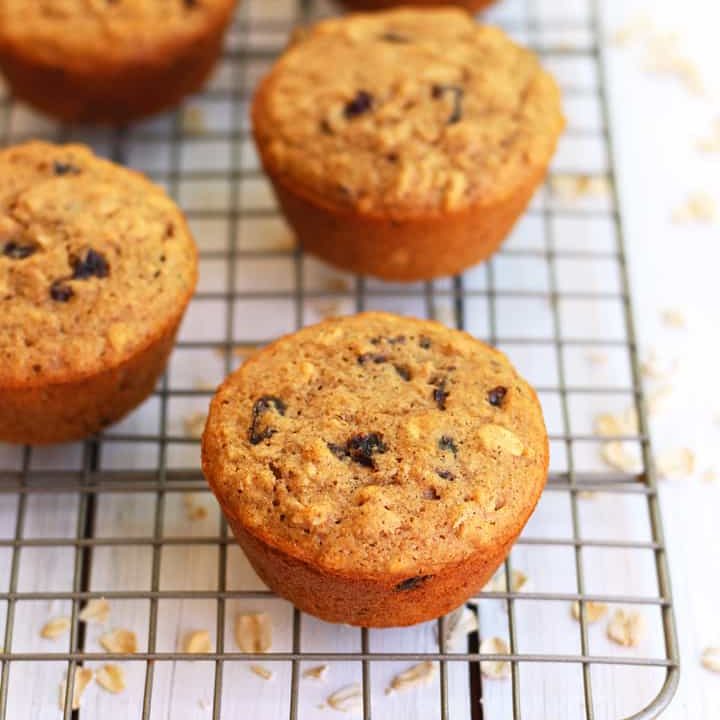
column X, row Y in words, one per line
column 407, row 111
column 75, row 32
column 377, row 444
column 95, row 262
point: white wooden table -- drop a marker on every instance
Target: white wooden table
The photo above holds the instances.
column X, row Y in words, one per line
column 654, row 124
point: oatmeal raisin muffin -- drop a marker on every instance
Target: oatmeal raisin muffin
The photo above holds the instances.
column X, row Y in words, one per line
column 376, row 469
column 96, row 268
column 109, row 62
column 415, row 156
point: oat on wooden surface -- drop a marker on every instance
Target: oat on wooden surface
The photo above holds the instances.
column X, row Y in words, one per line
column 119, row 641
column 55, row 627
column 83, row 678
column 675, row 463
column 496, row 669
column 419, row 674
column 317, row 672
column 617, row 456
column 594, row 611
column 346, row 699
column 97, row 610
column 626, row 627
column 519, row 582
column 711, row 659
column 111, row 677
column 262, row 672
column 253, row 632
column 197, row 642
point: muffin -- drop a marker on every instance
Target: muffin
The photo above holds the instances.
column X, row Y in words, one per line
column 97, row 267
column 415, row 156
column 109, row 62
column 471, row 5
column 376, row 469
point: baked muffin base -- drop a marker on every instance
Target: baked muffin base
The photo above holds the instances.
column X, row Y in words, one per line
column 151, row 84
column 417, row 248
column 382, row 601
column 63, row 412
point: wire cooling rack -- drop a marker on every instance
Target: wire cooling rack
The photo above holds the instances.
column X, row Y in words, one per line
column 109, row 517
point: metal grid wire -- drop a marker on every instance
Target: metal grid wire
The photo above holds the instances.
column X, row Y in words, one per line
column 91, row 481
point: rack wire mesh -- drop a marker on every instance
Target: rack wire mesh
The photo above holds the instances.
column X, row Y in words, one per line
column 88, row 520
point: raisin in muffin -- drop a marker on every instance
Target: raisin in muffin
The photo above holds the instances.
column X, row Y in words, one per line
column 107, row 61
column 96, row 269
column 415, row 156
column 376, row 469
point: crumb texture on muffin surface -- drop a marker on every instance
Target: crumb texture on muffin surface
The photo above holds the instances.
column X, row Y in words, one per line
column 109, row 62
column 74, row 32
column 424, row 111
column 377, row 446
column 96, row 264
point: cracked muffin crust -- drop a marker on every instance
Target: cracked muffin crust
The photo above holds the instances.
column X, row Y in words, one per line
column 376, row 469
column 96, row 268
column 109, row 61
column 416, row 155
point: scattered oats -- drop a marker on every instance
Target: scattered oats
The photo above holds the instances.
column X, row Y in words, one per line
column 261, row 671
column 119, row 641
column 673, row 318
column 609, row 425
column 711, row 144
column 96, row 611
column 325, row 309
column 636, row 28
column 111, row 678
column 194, row 510
column 318, row 672
column 710, row 475
column 665, row 57
column 658, row 400
column 711, row 659
column 346, row 699
column 337, row 283
column 244, row 352
column 519, row 582
column 253, row 632
column 192, row 120
column 596, row 357
column 587, row 494
column 626, row 627
column 197, row 642
column 458, row 625
column 653, row 369
column 699, row 207
column 419, row 674
column 617, row 456
column 676, row 462
column 194, row 424
column 83, row 677
column 574, row 187
column 55, row 628
column 594, row 611
column 204, row 703
column 494, row 668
